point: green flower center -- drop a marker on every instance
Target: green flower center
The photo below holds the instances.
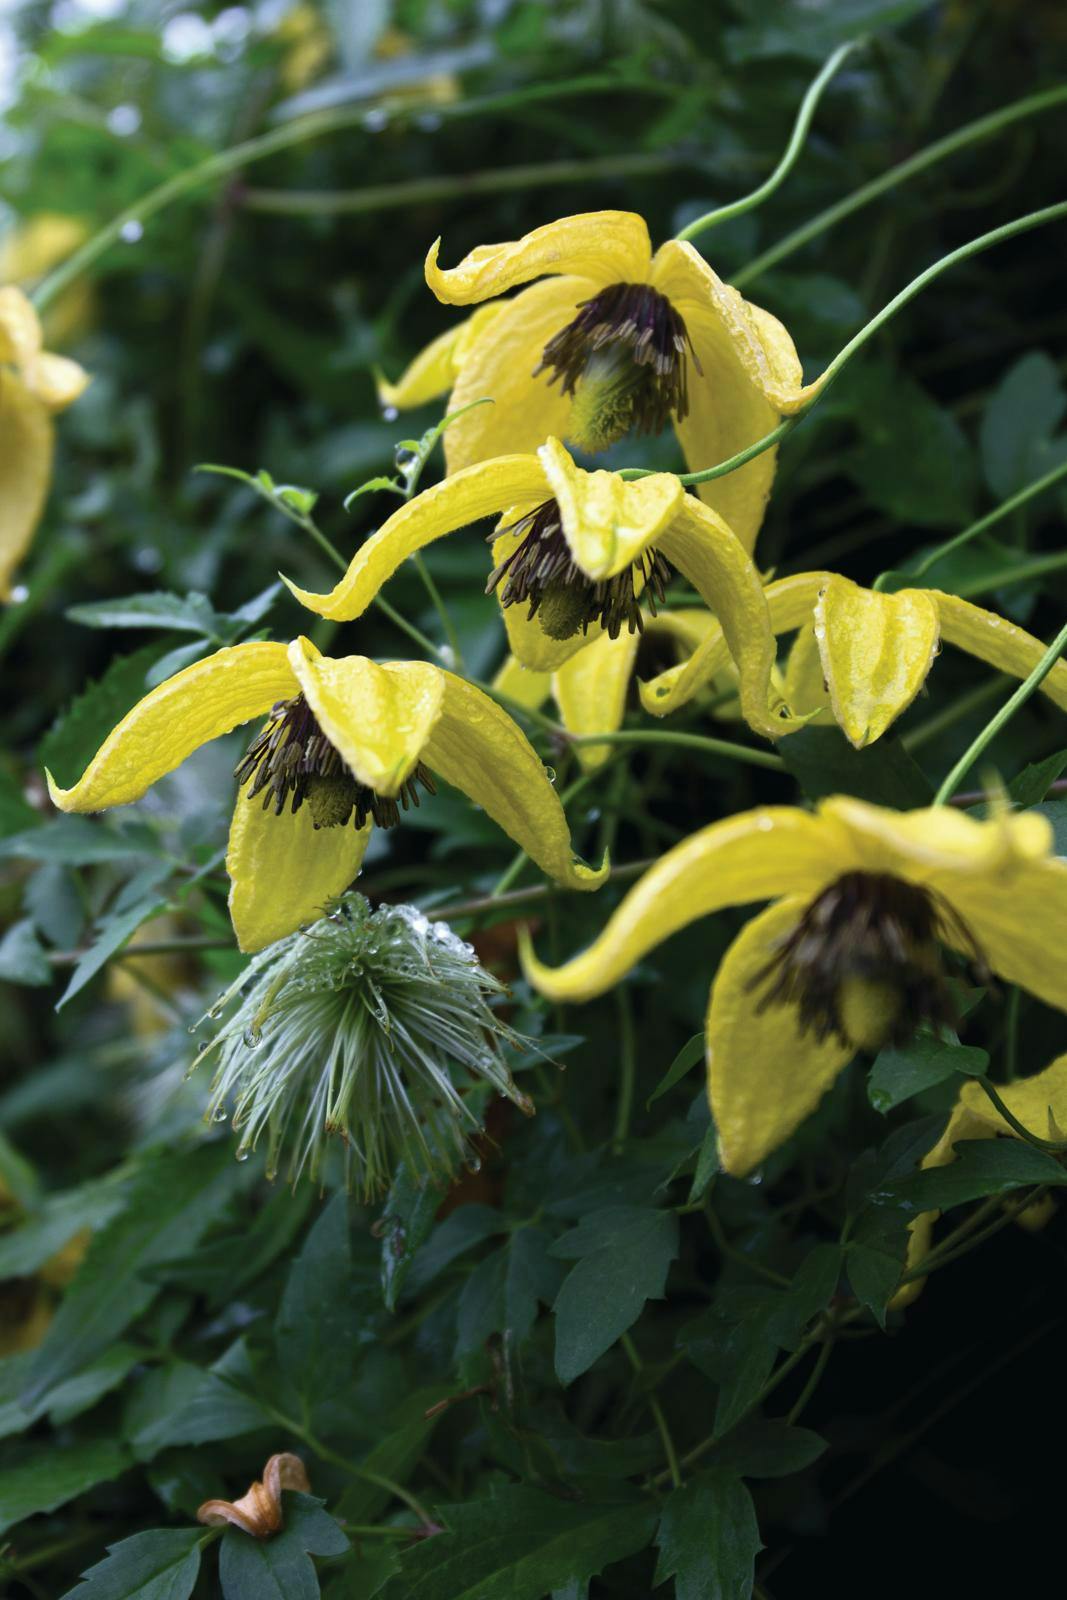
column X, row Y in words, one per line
column 292, row 760
column 623, row 360
column 864, row 962
column 541, row 573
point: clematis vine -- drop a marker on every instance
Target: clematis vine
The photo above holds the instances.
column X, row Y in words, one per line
column 614, row 339
column 34, row 385
column 849, row 956
column 347, row 744
column 577, row 553
column 861, row 656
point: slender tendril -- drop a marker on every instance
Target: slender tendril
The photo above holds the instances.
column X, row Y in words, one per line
column 1001, row 717
column 686, row 741
column 801, row 127
column 971, row 133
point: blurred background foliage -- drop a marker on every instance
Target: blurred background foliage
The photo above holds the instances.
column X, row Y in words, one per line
column 243, row 326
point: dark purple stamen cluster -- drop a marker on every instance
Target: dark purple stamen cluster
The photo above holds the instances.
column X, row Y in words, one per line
column 292, row 759
column 542, row 573
column 874, row 927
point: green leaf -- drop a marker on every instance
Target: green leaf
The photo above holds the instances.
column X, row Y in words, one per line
column 460, row 1231
column 624, row 1253
column 190, row 613
column 181, row 1403
column 280, row 1568
column 1032, row 784
column 405, row 1223
column 72, row 741
column 937, row 488
column 394, row 1457
column 684, row 1062
column 520, row 1543
column 170, row 1202
column 899, row 1073
column 159, row 1565
column 223, row 1267
column 22, row 956
column 708, row 1539
column 767, row 1447
column 1056, row 812
column 69, row 1399
column 111, row 934
column 53, row 1222
column 874, row 1274
column 823, row 763
column 76, row 842
column 1020, row 418
column 46, row 1475
column 323, row 1318
column 982, row 1167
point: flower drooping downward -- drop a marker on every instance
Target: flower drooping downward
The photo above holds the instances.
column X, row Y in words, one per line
column 372, row 1028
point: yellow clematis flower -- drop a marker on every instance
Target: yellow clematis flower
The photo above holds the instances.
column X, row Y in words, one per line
column 32, row 248
column 574, row 555
column 860, row 655
column 33, row 385
column 847, row 956
column 613, row 338
column 591, row 688
column 350, row 737
column 1039, row 1103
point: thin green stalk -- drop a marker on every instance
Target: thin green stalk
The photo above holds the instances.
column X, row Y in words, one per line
column 443, row 614
column 658, row 1416
column 991, row 519
column 627, row 1069
column 1037, row 568
column 796, row 1410
column 971, row 133
column 1022, row 694
column 533, row 891
column 801, row 127
column 458, row 186
column 985, row 241
column 686, row 741
column 1054, row 1146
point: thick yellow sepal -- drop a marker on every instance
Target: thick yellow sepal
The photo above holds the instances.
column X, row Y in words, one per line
column 876, row 650
column 283, row 871
column 606, row 246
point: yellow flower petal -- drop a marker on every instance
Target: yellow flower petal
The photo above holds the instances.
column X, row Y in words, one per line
column 518, row 683
column 283, row 870
column 56, row 380
column 764, row 1075
column 20, row 329
column 198, row 704
column 705, row 552
column 467, row 496
column 940, row 841
column 804, row 687
column 606, row 246
column 789, row 601
column 998, row 641
column 757, row 855
column 476, row 747
column 1018, row 918
column 590, row 691
column 607, row 522
column 378, row 719
column 876, row 650
column 500, row 365
column 751, row 378
column 25, row 469
column 435, row 369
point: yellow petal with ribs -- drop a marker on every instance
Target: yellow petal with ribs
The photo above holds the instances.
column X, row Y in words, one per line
column 790, row 602
column 378, row 718
column 757, row 855
column 607, row 522
column 940, row 842
column 998, row 641
column 705, row 552
column 476, row 747
column 764, row 1075
column 26, row 439
column 20, row 329
column 283, row 870
column 876, row 650
column 466, row 497
column 435, row 369
column 1018, row 919
column 606, row 246
column 751, row 378
column 804, row 686
column 590, row 691
column 198, row 704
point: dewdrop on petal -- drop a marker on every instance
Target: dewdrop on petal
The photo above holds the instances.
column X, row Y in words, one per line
column 364, row 1032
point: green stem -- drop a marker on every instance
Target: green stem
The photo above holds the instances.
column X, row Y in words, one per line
column 814, row 1379
column 443, row 614
column 1037, row 568
column 1054, row 1146
column 983, row 128
column 658, row 1416
column 990, row 520
column 685, row 741
column 533, row 891
column 627, row 1069
column 1034, row 219
column 1022, row 694
column 456, row 186
column 363, row 1530
column 797, row 139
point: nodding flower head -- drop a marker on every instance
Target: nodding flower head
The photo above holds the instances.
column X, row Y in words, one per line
column 373, row 1033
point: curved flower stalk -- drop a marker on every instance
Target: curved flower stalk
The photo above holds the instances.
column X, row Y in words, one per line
column 353, row 740
column 575, row 554
column 1039, row 1103
column 613, row 338
column 590, row 690
column 366, row 1033
column 34, row 384
column 862, row 656
column 847, row 956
